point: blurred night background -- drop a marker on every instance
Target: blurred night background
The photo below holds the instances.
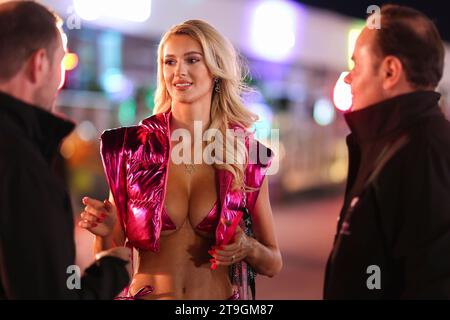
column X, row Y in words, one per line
column 296, row 52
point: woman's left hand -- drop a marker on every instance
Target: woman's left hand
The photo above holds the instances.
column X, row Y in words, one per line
column 226, row 255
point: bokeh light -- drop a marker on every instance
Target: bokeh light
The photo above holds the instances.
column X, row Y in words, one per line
column 342, row 94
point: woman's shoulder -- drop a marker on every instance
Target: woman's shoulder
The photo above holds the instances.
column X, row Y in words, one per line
column 132, row 137
column 156, row 122
column 113, row 134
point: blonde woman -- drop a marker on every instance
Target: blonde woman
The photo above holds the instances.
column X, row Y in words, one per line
column 184, row 218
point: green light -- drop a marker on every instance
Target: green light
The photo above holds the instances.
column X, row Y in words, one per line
column 353, row 34
column 149, row 99
column 127, row 112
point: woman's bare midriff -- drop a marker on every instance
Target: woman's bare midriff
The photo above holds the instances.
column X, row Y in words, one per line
column 181, row 269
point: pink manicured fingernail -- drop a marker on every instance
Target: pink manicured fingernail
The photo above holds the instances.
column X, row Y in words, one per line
column 213, row 266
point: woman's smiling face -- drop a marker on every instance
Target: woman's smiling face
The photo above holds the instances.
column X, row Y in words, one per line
column 187, row 78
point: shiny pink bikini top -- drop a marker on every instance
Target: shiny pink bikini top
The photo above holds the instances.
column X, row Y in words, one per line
column 208, row 224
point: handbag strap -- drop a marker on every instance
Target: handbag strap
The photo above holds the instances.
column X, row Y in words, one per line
column 248, row 225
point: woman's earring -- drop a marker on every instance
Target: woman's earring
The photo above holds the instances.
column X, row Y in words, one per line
column 216, row 85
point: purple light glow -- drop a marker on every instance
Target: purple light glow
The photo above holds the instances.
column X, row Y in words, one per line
column 273, row 29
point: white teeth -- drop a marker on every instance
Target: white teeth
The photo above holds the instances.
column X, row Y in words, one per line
column 182, row 84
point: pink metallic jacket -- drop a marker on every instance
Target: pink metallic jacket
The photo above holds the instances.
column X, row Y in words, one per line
column 136, row 161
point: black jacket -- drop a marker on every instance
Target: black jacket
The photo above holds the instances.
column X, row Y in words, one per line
column 36, row 222
column 400, row 222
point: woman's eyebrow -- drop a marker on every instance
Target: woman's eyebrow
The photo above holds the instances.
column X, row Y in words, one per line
column 186, row 54
column 193, row 52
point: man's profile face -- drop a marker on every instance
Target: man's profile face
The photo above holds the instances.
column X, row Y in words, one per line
column 47, row 91
column 365, row 77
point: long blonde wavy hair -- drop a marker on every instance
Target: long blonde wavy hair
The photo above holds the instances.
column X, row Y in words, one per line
column 227, row 106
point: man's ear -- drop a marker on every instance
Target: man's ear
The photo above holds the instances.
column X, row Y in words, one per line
column 37, row 66
column 392, row 72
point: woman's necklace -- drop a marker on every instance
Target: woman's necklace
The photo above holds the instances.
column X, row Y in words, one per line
column 189, row 168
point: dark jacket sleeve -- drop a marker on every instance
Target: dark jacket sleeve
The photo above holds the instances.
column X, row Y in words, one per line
column 37, row 241
column 104, row 279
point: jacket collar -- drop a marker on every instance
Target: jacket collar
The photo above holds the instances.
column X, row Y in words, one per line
column 158, row 122
column 43, row 128
column 392, row 114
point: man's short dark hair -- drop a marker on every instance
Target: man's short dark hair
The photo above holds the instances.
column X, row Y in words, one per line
column 25, row 26
column 412, row 37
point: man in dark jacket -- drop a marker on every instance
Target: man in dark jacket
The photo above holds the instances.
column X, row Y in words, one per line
column 393, row 235
column 37, row 251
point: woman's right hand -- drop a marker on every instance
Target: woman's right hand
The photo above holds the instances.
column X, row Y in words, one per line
column 98, row 217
